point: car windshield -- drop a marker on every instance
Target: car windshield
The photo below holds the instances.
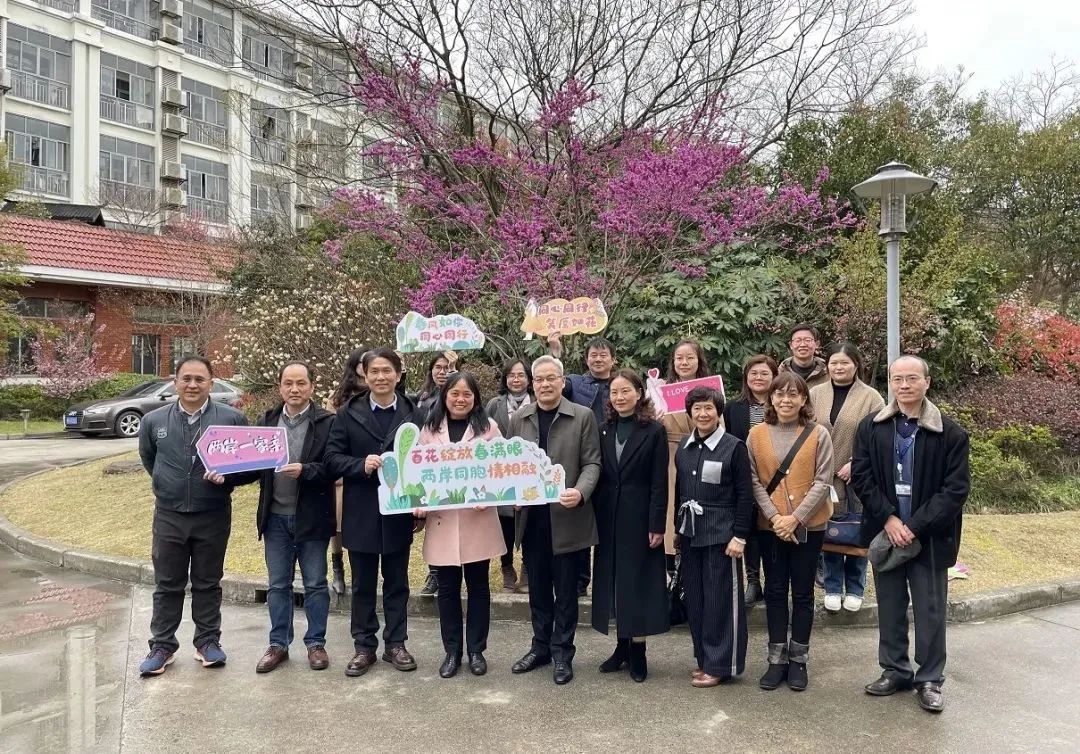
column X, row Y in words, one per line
column 144, row 388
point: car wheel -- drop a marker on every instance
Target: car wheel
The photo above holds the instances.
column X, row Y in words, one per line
column 128, row 423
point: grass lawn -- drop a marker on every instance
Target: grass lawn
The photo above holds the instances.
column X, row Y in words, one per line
column 13, row 428
column 88, row 509
column 112, row 513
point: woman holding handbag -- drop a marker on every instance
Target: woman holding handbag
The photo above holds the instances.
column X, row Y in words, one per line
column 791, row 459
column 839, row 406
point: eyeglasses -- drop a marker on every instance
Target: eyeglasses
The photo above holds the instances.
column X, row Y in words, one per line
column 546, row 380
column 802, row 341
column 906, row 379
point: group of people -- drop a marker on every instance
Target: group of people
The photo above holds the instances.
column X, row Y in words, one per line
column 710, row 498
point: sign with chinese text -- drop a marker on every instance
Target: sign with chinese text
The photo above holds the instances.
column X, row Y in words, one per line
column 229, row 450
column 465, row 474
column 443, row 332
column 581, row 314
column 670, row 398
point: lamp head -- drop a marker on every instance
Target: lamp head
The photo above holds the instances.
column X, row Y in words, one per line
column 892, row 184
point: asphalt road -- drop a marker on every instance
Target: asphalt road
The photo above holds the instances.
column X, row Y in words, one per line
column 70, row 645
column 20, row 457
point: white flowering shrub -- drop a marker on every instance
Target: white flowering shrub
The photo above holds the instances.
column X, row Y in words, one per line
column 320, row 318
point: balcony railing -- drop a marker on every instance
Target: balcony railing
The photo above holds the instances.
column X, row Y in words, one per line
column 45, row 180
column 39, row 89
column 210, row 134
column 123, row 111
column 270, row 151
column 134, row 26
column 68, row 6
column 206, row 52
column 128, row 195
column 207, row 210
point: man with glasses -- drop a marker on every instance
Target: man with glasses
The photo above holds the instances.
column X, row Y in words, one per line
column 554, row 536
column 804, row 361
column 910, row 470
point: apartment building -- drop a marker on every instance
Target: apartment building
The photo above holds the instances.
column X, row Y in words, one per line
column 162, row 110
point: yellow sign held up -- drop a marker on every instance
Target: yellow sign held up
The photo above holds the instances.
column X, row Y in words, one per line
column 582, row 314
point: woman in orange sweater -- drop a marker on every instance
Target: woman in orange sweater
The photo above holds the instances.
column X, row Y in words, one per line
column 791, row 461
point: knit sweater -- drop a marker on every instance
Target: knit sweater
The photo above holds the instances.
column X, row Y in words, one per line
column 781, row 437
column 862, row 401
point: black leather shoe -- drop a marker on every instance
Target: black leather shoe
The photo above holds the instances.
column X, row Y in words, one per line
column 564, row 673
column 753, row 593
column 930, row 697
column 887, row 686
column 639, row 667
column 477, row 663
column 618, row 658
column 531, row 661
column 450, row 666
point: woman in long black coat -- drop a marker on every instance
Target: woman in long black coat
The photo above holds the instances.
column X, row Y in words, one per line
column 629, row 570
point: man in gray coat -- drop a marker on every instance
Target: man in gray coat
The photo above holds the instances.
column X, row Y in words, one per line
column 192, row 516
column 553, row 536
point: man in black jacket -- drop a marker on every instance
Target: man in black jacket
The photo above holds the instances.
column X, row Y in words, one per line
column 192, row 516
column 296, row 519
column 910, row 470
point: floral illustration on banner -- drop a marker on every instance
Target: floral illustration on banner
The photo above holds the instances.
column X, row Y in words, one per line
column 443, row 332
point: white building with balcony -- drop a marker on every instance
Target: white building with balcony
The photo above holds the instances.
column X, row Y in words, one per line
column 165, row 109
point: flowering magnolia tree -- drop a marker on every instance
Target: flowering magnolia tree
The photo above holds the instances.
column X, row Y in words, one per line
column 548, row 209
column 320, row 318
column 65, row 356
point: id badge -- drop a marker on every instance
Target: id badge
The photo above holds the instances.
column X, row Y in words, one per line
column 903, row 490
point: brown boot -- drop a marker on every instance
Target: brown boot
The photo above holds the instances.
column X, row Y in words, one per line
column 509, row 577
column 273, row 657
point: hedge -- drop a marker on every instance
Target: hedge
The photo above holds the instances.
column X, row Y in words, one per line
column 15, row 398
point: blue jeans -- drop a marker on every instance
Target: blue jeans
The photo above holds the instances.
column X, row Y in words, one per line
column 282, row 553
column 844, row 574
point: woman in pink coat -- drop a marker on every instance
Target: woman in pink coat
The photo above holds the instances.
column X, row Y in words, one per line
column 462, row 542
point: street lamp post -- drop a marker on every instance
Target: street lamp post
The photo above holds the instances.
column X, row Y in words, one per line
column 892, row 184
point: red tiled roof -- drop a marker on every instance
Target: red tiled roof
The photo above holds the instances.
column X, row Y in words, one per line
column 78, row 246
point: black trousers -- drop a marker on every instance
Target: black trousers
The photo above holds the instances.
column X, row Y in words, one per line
column 507, row 523
column 584, row 568
column 478, row 615
column 186, row 543
column 365, row 575
column 713, row 588
column 553, row 579
column 789, row 568
column 752, row 559
column 929, row 588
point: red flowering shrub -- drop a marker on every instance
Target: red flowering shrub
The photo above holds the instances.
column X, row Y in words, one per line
column 1030, row 339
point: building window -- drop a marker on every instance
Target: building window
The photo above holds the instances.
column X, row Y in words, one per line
column 40, row 66
column 51, row 308
column 329, row 155
column 157, row 315
column 18, row 357
column 127, row 91
column 208, row 32
column 127, row 173
column 268, row 56
column 270, row 199
column 269, row 133
column 330, row 73
column 208, row 190
column 208, row 114
column 180, row 346
column 131, row 16
column 43, row 152
column 145, row 352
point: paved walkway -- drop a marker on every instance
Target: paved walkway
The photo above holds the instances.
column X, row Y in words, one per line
column 69, row 645
column 21, row 457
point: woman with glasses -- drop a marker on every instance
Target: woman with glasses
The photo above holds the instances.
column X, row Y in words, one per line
column 839, row 406
column 791, row 461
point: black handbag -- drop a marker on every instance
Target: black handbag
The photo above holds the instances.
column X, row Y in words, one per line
column 676, row 597
column 844, row 529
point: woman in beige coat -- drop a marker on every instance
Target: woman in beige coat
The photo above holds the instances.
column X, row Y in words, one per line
column 688, row 362
column 460, row 543
column 840, row 405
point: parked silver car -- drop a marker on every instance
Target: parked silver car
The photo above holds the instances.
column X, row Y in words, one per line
column 122, row 415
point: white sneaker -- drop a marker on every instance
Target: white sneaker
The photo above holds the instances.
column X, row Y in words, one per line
column 852, row 603
column 832, row 603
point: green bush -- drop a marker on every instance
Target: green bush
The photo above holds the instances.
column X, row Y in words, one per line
column 1000, row 482
column 14, row 398
column 1035, row 445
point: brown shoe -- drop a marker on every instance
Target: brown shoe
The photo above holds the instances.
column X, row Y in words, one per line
column 705, row 681
column 273, row 657
column 317, row 658
column 360, row 664
column 509, row 578
column 400, row 658
column 523, row 580
column 697, row 673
